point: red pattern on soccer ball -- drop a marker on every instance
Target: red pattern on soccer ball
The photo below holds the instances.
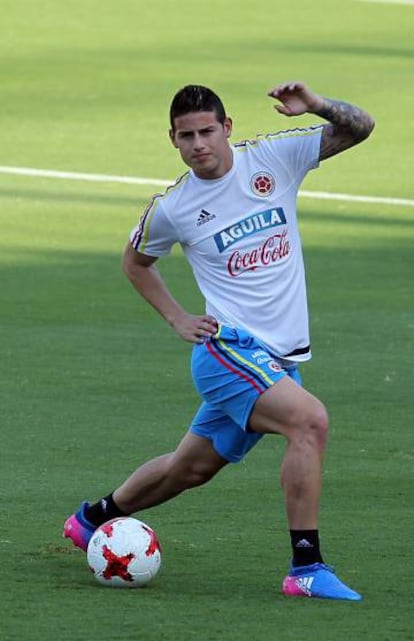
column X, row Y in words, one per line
column 108, row 529
column 117, row 565
column 154, row 544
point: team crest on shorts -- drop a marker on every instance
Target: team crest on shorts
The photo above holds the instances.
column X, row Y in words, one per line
column 262, row 183
column 275, row 367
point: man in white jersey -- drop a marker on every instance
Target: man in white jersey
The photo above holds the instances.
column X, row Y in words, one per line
column 234, row 215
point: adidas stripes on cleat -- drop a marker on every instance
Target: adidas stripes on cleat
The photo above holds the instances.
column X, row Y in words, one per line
column 317, row 581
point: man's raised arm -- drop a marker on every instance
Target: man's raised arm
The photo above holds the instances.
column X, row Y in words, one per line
column 348, row 124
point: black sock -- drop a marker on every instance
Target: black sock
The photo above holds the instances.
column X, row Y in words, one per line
column 103, row 510
column 305, row 547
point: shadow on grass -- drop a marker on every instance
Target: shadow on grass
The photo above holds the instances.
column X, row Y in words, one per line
column 138, row 202
column 79, row 286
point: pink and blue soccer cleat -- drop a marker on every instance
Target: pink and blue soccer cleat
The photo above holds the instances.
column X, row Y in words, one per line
column 317, row 581
column 78, row 528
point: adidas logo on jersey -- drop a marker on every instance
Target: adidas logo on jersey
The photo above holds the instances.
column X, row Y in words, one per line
column 205, row 217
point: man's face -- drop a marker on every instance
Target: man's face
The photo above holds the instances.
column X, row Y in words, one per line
column 203, row 143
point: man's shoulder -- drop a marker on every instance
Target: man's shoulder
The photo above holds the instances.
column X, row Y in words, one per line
column 278, row 136
column 280, row 148
column 171, row 193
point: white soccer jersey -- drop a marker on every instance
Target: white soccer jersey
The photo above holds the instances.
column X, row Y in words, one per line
column 241, row 238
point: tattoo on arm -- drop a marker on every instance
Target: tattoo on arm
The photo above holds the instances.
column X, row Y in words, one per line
column 348, row 125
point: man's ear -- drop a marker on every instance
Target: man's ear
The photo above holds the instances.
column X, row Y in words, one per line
column 172, row 137
column 228, row 126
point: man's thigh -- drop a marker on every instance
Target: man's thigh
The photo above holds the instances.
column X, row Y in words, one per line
column 232, row 370
column 228, row 439
column 284, row 407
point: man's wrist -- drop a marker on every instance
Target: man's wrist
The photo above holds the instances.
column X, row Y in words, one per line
column 174, row 316
column 320, row 107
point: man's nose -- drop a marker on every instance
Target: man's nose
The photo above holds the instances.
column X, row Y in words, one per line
column 198, row 142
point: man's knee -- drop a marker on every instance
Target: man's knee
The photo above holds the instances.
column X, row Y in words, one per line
column 190, row 476
column 292, row 411
column 309, row 427
column 318, row 423
column 305, row 426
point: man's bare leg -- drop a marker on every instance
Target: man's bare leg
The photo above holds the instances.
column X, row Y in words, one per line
column 290, row 410
column 193, row 463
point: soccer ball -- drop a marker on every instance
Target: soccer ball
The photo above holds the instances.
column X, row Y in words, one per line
column 124, row 553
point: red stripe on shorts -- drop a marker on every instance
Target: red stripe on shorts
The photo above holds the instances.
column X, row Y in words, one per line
column 232, row 369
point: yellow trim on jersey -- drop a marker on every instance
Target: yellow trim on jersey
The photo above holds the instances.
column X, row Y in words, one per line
column 288, row 133
column 181, row 180
column 152, row 207
column 293, row 133
column 146, row 226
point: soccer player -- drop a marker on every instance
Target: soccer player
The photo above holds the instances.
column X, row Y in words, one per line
column 234, row 215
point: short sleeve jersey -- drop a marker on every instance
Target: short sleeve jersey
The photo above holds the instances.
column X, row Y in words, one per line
column 240, row 235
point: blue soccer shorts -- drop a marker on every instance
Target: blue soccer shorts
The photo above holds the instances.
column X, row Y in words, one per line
column 230, row 371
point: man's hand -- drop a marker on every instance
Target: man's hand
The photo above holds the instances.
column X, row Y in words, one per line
column 194, row 329
column 296, row 99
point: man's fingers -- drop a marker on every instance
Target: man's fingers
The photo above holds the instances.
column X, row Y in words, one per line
column 282, row 109
column 209, row 323
column 285, row 87
column 205, row 331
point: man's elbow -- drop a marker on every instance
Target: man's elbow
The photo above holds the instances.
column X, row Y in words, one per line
column 134, row 264
column 127, row 262
column 368, row 128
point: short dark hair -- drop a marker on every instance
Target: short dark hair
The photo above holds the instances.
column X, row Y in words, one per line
column 196, row 98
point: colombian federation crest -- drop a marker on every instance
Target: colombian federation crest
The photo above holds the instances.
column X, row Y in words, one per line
column 275, row 367
column 262, row 183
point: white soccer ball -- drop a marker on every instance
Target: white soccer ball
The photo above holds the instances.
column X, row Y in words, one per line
column 124, row 553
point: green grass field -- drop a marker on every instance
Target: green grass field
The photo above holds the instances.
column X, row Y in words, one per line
column 93, row 382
